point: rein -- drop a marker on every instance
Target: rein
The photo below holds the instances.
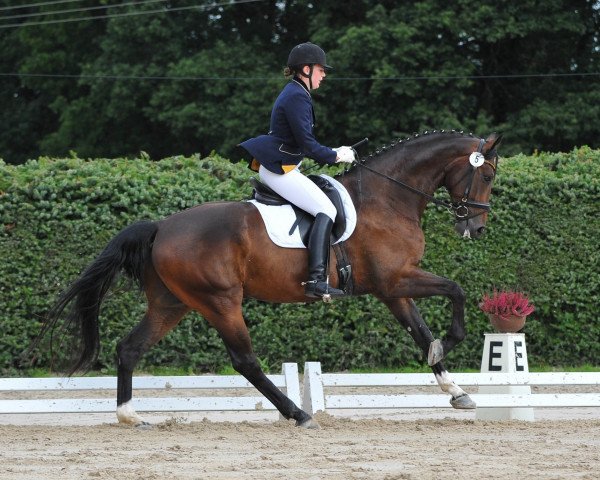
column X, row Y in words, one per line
column 459, row 209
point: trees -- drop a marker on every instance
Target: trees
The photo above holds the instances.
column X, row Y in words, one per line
column 202, row 79
column 33, row 105
column 472, row 65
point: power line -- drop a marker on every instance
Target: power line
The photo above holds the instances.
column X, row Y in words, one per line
column 246, row 78
column 476, row 77
column 56, row 2
column 74, row 10
column 128, row 14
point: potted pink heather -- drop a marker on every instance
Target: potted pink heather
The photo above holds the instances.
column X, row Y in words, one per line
column 507, row 310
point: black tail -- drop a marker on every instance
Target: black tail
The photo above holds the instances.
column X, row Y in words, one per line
column 129, row 252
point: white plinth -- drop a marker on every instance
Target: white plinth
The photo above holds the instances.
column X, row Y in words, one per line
column 505, row 353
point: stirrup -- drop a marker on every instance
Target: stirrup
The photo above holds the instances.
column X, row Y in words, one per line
column 321, row 289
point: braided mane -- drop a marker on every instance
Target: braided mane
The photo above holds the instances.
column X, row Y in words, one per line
column 385, row 148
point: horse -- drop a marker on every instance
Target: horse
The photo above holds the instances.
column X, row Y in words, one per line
column 211, row 257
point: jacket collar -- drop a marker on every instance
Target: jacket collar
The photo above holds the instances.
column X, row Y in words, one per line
column 301, row 83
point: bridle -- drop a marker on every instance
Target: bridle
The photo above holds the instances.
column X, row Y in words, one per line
column 460, row 209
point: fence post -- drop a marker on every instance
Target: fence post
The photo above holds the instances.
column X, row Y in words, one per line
column 313, row 398
column 505, row 353
column 292, row 381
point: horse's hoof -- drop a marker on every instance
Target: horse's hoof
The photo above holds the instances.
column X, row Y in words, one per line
column 309, row 423
column 436, row 352
column 143, row 426
column 463, row 402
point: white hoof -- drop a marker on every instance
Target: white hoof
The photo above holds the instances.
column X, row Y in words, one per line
column 126, row 414
column 310, row 424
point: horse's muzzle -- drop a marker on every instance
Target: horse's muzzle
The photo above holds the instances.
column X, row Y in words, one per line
column 467, row 229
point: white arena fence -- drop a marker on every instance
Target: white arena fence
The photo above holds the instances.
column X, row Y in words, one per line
column 288, row 382
column 316, row 395
column 316, row 398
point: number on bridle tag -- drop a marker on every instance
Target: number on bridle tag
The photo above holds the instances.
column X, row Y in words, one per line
column 476, row 159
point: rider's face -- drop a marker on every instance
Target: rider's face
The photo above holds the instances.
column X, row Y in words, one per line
column 318, row 74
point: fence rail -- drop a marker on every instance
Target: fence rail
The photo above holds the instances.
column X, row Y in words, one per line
column 316, row 399
column 316, row 395
column 288, row 381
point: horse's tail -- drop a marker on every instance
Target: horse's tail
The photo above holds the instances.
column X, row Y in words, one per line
column 129, row 251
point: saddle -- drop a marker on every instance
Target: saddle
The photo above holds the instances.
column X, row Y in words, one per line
column 264, row 194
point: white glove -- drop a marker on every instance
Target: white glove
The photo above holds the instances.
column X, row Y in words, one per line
column 344, row 154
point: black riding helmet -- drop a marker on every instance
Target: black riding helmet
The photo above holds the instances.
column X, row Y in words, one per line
column 306, row 54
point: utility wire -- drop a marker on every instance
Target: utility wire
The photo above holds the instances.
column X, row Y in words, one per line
column 345, row 79
column 73, row 10
column 55, row 2
column 129, row 14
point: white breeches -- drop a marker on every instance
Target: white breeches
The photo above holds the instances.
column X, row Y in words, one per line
column 299, row 190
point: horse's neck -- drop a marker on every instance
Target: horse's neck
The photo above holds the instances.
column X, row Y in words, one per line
column 420, row 166
column 383, row 191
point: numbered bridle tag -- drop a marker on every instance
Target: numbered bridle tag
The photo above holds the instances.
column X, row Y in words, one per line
column 476, row 159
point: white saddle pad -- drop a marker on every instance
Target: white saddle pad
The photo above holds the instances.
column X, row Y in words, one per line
column 279, row 219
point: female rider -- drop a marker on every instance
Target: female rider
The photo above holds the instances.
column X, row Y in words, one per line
column 290, row 139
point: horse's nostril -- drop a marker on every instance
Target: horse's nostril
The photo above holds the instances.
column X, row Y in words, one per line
column 480, row 231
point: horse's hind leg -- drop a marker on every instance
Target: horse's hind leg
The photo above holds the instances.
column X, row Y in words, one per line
column 406, row 312
column 163, row 314
column 226, row 316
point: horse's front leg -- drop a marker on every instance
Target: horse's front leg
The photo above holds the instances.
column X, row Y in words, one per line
column 406, row 312
column 420, row 284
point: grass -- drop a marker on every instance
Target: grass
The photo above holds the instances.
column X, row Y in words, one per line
column 228, row 370
column 112, row 372
column 581, row 368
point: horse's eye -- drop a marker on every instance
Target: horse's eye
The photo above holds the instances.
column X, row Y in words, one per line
column 488, row 178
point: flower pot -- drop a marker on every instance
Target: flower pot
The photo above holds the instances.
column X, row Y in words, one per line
column 507, row 323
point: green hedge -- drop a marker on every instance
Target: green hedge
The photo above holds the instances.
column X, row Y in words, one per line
column 58, row 214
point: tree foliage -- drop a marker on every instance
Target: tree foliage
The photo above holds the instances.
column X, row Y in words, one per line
column 203, row 79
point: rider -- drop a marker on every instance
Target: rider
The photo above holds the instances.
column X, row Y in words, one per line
column 290, row 139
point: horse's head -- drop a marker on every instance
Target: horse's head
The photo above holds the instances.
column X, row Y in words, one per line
column 469, row 182
column 463, row 164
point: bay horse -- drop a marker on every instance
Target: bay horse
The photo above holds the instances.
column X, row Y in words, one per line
column 211, row 257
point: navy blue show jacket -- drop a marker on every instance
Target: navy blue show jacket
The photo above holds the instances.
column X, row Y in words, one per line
column 291, row 137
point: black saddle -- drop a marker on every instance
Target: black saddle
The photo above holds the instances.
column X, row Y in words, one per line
column 263, row 194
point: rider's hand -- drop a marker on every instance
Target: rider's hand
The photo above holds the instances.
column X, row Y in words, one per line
column 344, row 154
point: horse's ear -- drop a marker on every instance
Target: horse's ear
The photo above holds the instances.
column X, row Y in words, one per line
column 495, row 139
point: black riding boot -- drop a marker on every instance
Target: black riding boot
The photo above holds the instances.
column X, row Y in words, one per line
column 317, row 285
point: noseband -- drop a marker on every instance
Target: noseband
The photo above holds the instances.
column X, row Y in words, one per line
column 460, row 209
